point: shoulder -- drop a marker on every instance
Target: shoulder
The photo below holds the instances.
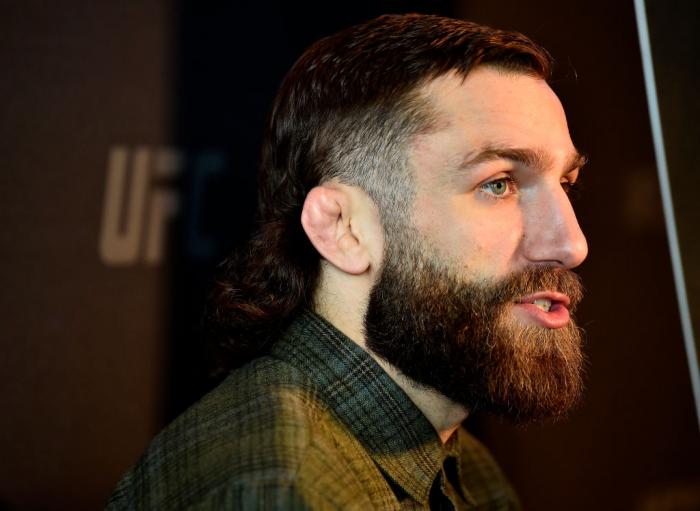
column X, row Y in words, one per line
column 262, row 435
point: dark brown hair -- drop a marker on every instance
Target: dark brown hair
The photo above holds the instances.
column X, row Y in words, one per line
column 346, row 110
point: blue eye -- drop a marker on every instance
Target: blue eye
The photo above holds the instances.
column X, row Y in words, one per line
column 499, row 187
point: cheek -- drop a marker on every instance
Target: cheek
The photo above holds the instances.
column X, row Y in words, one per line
column 482, row 240
column 431, row 221
column 488, row 243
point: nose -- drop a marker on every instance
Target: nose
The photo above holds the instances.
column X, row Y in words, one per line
column 553, row 235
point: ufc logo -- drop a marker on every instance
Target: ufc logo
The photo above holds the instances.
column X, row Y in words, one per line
column 138, row 205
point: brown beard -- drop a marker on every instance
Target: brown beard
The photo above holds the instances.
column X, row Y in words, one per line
column 460, row 337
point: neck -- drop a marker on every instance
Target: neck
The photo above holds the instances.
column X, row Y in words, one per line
column 345, row 311
column 444, row 414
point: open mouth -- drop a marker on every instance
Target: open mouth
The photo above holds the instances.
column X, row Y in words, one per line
column 549, row 309
column 546, row 300
column 543, row 303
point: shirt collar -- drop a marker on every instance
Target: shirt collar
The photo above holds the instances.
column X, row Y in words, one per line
column 370, row 404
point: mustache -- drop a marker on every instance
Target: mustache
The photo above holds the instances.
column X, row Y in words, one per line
column 441, row 288
column 539, row 278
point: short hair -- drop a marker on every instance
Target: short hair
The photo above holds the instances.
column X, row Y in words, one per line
column 347, row 110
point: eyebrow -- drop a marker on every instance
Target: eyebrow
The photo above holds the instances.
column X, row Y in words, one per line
column 533, row 158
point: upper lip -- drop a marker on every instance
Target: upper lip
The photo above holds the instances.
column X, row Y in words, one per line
column 552, row 296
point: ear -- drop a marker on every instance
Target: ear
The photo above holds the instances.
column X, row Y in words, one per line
column 327, row 220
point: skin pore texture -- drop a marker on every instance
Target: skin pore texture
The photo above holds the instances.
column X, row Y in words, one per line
column 465, row 300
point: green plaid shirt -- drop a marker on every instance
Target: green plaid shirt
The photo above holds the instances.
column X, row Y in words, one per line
column 317, row 424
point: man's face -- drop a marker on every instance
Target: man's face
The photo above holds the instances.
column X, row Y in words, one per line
column 491, row 179
column 474, row 294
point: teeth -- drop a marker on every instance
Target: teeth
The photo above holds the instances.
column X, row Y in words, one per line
column 543, row 303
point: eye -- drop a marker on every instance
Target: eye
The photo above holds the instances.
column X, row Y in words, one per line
column 572, row 188
column 500, row 187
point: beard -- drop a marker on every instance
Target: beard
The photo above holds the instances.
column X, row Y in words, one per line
column 461, row 338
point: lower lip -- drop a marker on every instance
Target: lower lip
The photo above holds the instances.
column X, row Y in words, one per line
column 556, row 317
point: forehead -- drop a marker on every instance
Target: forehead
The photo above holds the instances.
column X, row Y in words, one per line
column 492, row 107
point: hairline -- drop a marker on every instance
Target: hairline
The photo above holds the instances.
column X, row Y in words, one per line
column 433, row 121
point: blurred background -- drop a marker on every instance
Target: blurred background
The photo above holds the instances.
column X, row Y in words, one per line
column 129, row 142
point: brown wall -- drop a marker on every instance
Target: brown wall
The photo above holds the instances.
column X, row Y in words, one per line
column 83, row 344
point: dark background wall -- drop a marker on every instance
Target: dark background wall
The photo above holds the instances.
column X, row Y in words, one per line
column 129, row 139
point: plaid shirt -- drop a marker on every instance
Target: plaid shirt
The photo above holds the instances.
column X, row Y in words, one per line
column 317, row 424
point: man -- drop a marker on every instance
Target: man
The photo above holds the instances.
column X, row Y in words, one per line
column 412, row 267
